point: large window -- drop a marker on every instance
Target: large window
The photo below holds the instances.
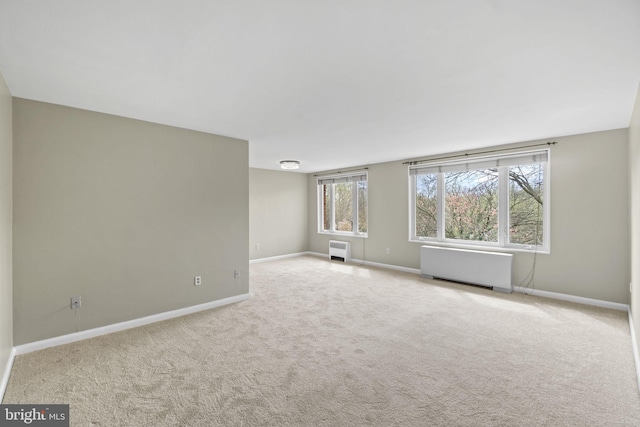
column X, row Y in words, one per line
column 342, row 204
column 500, row 201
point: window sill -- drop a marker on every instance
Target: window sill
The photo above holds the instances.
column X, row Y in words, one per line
column 481, row 247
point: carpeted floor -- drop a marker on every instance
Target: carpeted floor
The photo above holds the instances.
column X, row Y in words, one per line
column 327, row 344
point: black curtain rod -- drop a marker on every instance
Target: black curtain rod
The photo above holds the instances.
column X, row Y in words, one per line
column 339, row 172
column 417, row 162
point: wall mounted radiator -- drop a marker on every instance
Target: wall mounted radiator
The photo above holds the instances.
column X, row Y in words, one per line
column 492, row 269
column 340, row 251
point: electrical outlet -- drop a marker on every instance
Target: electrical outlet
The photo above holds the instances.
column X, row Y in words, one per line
column 257, row 246
column 388, row 250
column 76, row 302
column 236, row 274
column 197, row 281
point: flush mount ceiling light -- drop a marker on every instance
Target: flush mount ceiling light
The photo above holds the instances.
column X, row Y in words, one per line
column 289, row 164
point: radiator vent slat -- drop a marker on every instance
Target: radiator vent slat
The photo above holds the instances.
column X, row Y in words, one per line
column 337, row 245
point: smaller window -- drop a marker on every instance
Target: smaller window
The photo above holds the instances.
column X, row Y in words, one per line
column 342, row 204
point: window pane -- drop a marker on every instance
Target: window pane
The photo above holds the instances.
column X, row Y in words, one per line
column 426, row 205
column 326, row 207
column 362, row 206
column 471, row 205
column 525, row 204
column 343, row 206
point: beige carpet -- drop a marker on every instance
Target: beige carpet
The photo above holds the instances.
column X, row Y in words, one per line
column 329, row 344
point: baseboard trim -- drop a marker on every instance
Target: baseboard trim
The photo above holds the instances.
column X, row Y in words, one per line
column 6, row 373
column 387, row 266
column 117, row 327
column 573, row 298
column 634, row 345
column 318, row 254
column 274, row 258
column 371, row 263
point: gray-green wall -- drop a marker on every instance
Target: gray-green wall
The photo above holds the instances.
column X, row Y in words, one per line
column 278, row 213
column 6, row 286
column 589, row 219
column 634, row 161
column 123, row 213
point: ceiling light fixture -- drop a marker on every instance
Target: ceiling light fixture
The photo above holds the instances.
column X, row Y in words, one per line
column 289, row 164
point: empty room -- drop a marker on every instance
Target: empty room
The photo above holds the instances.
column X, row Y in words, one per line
column 305, row 213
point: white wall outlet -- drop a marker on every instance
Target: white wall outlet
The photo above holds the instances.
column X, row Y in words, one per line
column 388, row 250
column 76, row 302
column 236, row 274
column 257, row 246
column 197, row 281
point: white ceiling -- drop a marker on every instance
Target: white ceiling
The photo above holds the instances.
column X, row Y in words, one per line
column 334, row 83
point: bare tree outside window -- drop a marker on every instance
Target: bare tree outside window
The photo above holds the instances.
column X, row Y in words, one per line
column 426, row 205
column 343, row 206
column 362, row 207
column 467, row 207
column 525, row 204
column 326, row 208
column 471, row 205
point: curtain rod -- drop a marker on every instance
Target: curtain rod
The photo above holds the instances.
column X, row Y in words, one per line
column 417, row 162
column 339, row 172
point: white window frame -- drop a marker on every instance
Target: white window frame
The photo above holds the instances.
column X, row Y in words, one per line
column 353, row 178
column 440, row 169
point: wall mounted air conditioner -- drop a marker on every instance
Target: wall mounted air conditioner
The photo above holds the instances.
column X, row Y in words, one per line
column 340, row 251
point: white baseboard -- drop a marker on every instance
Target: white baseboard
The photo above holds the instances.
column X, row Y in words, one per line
column 634, row 345
column 274, row 258
column 387, row 266
column 6, row 373
column 117, row 327
column 318, row 254
column 371, row 263
column 573, row 298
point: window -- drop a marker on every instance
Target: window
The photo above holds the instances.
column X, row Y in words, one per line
column 499, row 201
column 342, row 204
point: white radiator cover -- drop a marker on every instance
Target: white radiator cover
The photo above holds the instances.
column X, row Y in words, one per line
column 492, row 269
column 340, row 250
